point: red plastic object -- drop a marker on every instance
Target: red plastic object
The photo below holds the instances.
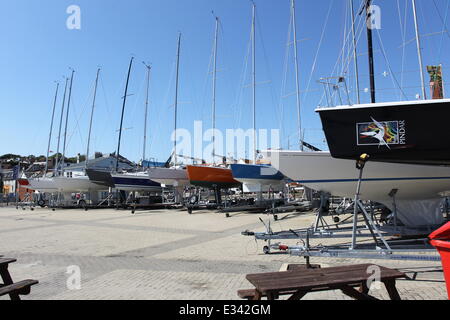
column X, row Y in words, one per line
column 440, row 239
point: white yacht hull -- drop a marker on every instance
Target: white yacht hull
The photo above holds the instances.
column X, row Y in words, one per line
column 259, row 185
column 45, row 185
column 321, row 172
column 169, row 176
column 420, row 187
column 76, row 184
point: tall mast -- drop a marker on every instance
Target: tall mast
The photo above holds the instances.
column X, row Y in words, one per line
column 419, row 52
column 254, row 80
column 123, row 112
column 149, row 68
column 60, row 126
column 176, row 101
column 367, row 8
column 300, row 135
column 67, row 121
column 355, row 54
column 214, row 90
column 92, row 116
column 51, row 129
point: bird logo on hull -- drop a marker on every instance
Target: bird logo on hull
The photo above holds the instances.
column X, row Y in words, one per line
column 381, row 134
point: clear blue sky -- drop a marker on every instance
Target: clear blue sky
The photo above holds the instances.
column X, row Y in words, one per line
column 38, row 49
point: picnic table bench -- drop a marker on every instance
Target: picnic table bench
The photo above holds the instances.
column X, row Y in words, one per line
column 14, row 290
column 297, row 283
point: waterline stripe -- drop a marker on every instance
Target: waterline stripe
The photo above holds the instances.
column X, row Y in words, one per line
column 373, row 180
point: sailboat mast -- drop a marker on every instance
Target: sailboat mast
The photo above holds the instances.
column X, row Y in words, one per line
column 67, row 121
column 176, row 100
column 254, row 79
column 370, row 47
column 419, row 51
column 60, row 126
column 92, row 116
column 51, row 128
column 146, row 110
column 355, row 54
column 123, row 112
column 297, row 83
column 214, row 90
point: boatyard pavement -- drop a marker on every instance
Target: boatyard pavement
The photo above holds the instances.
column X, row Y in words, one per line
column 164, row 254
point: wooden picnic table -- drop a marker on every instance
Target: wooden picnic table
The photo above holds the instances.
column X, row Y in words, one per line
column 14, row 290
column 298, row 283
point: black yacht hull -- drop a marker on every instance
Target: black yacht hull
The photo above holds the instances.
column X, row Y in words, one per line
column 408, row 132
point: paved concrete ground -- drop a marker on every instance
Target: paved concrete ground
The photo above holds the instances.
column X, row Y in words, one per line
column 161, row 254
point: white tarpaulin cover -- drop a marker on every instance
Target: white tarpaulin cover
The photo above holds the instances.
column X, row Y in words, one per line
column 415, row 213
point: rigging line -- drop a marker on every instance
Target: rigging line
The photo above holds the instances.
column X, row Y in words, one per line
column 389, row 65
column 166, row 104
column 225, row 55
column 432, row 47
column 188, row 59
column 284, row 79
column 444, row 25
column 313, row 68
column 341, row 55
column 266, row 60
column 241, row 85
column 208, row 72
column 344, row 36
column 403, row 33
column 77, row 126
column 135, row 110
column 349, row 40
column 361, row 27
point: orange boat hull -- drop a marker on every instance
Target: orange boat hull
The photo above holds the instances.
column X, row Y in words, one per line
column 211, row 177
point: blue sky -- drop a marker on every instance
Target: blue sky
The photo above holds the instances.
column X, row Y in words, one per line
column 38, row 49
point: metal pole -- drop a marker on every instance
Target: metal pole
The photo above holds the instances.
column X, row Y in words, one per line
column 60, row 127
column 123, row 111
column 367, row 7
column 146, row 111
column 92, row 116
column 419, row 52
column 297, row 76
column 67, row 120
column 176, row 100
column 254, row 80
column 355, row 54
column 214, row 91
column 51, row 129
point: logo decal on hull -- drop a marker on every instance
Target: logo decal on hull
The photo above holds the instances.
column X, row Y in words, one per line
column 381, row 134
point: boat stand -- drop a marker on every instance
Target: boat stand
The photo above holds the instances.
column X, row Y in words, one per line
column 409, row 249
column 27, row 202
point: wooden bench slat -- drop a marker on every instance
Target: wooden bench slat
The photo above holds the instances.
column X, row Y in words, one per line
column 6, row 261
column 21, row 287
column 332, row 278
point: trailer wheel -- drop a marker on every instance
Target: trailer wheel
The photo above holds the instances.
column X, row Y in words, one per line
column 227, row 215
column 190, row 210
column 275, row 217
column 266, row 250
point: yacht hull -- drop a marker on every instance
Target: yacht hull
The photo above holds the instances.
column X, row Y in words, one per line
column 408, row 132
column 211, row 177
